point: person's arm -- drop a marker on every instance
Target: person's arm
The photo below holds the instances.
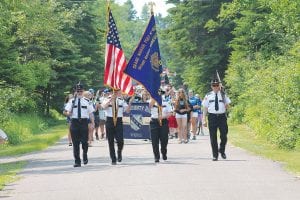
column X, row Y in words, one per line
column 107, row 102
column 92, row 119
column 227, row 102
column 128, row 106
column 204, row 122
column 151, row 103
column 67, row 111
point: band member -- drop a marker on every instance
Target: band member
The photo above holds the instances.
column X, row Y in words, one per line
column 79, row 110
column 159, row 128
column 215, row 104
column 114, row 106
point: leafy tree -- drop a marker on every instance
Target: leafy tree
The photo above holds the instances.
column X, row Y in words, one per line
column 196, row 49
column 264, row 69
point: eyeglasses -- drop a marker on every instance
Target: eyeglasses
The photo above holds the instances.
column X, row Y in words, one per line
column 215, row 85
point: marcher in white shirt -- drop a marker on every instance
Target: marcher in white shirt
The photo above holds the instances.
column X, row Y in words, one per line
column 215, row 104
column 79, row 110
column 159, row 127
column 114, row 129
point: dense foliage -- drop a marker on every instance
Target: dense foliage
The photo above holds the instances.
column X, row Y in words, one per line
column 48, row 46
column 194, row 50
column 264, row 68
column 258, row 41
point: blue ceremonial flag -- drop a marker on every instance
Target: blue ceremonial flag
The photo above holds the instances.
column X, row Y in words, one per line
column 145, row 64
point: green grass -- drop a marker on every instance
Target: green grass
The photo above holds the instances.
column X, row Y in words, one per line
column 36, row 142
column 8, row 172
column 242, row 136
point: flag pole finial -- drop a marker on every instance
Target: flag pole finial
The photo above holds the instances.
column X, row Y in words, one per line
column 151, row 4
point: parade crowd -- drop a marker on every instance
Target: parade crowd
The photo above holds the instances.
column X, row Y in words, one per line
column 181, row 116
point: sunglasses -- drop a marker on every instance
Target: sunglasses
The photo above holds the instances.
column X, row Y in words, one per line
column 216, row 85
column 79, row 90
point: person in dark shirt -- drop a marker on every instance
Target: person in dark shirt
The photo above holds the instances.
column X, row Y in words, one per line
column 181, row 109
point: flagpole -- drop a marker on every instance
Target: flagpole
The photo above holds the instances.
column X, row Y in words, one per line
column 152, row 4
column 114, row 106
column 107, row 16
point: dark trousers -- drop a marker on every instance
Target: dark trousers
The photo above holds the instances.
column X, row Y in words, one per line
column 79, row 133
column 114, row 132
column 216, row 121
column 159, row 134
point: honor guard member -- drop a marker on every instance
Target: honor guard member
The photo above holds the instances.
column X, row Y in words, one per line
column 159, row 127
column 215, row 104
column 114, row 107
column 80, row 110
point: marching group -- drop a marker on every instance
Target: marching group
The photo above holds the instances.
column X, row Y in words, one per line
column 180, row 116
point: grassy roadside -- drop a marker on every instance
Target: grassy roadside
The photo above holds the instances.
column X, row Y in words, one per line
column 39, row 142
column 8, row 172
column 242, row 136
column 36, row 143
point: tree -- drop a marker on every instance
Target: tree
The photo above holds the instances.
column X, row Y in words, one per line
column 264, row 67
column 196, row 49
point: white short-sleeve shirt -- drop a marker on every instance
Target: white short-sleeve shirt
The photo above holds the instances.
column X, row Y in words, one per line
column 209, row 102
column 166, row 109
column 122, row 106
column 86, row 107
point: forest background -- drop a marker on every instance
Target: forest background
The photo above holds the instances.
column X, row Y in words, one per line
column 46, row 46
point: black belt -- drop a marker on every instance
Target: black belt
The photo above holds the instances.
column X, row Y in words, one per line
column 217, row 114
column 80, row 120
column 156, row 119
column 112, row 117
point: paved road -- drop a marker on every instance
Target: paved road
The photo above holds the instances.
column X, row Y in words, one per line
column 189, row 173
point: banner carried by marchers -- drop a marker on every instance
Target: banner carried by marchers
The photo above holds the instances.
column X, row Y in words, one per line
column 145, row 63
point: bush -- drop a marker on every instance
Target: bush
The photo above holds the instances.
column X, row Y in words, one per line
column 270, row 102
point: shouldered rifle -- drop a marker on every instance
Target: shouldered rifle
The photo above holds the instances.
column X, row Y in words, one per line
column 73, row 102
column 223, row 94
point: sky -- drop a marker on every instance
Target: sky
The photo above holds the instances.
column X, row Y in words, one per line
column 160, row 6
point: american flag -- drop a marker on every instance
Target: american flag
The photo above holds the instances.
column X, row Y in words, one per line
column 115, row 61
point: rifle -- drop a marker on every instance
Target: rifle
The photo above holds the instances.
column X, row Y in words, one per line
column 73, row 102
column 223, row 94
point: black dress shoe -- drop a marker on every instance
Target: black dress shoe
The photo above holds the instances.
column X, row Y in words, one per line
column 156, row 160
column 223, row 155
column 113, row 163
column 215, row 159
column 85, row 158
column 77, row 165
column 85, row 162
column 119, row 156
column 164, row 157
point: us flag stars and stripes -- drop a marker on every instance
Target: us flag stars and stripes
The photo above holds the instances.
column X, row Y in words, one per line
column 115, row 61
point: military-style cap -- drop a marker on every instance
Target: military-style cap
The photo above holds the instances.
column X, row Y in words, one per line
column 215, row 81
column 79, row 86
column 216, row 78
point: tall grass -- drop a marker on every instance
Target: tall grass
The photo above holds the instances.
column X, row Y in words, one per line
column 21, row 127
